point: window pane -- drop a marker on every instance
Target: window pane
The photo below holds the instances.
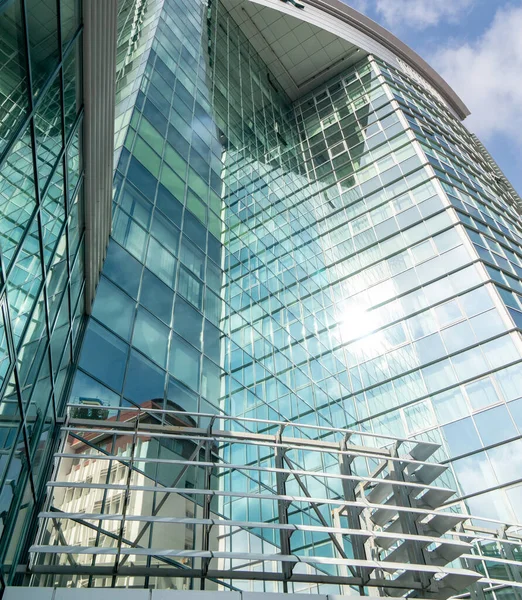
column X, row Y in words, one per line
column 439, row 376
column 114, row 308
column 13, row 76
column 48, row 129
column 17, row 195
column 191, row 288
column 473, row 471
column 461, row 437
column 487, row 324
column 103, row 355
column 469, row 364
column 70, row 12
column 181, row 396
column 136, row 205
column 458, row 336
column 506, row 461
column 188, row 322
column 430, row 348
column 500, row 352
column 481, row 393
column 476, row 301
column 165, row 232
column 72, row 84
column 144, row 381
column 123, row 269
column 509, row 380
column 515, row 408
column 212, row 342
column 86, row 387
column 42, row 23
column 161, row 262
column 448, row 313
column 184, row 362
column 450, row 406
column 129, row 234
column 151, row 337
column 156, row 296
column 495, row 425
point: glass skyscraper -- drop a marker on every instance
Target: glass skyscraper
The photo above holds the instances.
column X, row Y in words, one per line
column 306, row 331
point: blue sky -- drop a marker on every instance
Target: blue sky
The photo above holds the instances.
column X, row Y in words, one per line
column 476, row 45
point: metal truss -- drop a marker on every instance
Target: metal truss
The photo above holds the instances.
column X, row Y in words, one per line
column 141, row 494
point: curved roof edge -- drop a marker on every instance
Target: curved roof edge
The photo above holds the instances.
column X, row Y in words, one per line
column 349, row 15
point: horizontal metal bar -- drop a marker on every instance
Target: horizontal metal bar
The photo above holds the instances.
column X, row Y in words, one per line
column 273, row 497
column 253, row 467
column 158, row 431
column 268, row 422
column 249, row 556
column 255, row 525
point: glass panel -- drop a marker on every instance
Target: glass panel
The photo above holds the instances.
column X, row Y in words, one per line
column 114, row 308
column 515, row 408
column 23, row 285
column 72, row 84
column 103, row 355
column 13, row 76
column 42, row 23
column 461, row 437
column 129, row 234
column 184, row 362
column 495, row 425
column 500, row 352
column 476, row 301
column 181, row 397
column 212, row 343
column 450, row 406
column 144, row 382
column 156, row 296
column 87, row 388
column 481, row 393
column 188, row 322
column 509, row 380
column 48, row 128
column 448, row 313
column 136, row 205
column 161, row 262
column 71, row 15
column 439, row 376
column 17, row 195
column 123, row 269
column 74, row 160
column 469, row 364
column 151, row 337
column 473, row 471
column 506, row 460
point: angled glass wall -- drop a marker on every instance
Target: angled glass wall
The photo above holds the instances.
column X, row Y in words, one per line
column 41, row 246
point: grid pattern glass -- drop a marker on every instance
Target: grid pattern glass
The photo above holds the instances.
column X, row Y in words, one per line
column 347, row 260
column 41, row 247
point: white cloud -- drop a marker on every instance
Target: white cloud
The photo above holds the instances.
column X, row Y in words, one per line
column 487, row 74
column 418, row 14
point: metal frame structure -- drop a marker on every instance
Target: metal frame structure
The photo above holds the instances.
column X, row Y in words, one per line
column 384, row 527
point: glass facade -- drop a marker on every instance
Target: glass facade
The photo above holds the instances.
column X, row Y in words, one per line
column 350, row 259
column 41, row 246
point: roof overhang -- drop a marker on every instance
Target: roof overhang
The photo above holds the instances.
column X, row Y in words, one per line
column 304, row 47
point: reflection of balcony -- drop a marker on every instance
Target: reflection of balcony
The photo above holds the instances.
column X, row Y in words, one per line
column 148, row 411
